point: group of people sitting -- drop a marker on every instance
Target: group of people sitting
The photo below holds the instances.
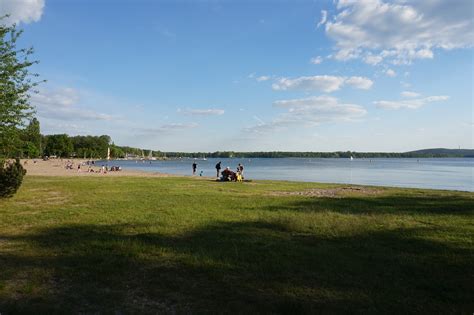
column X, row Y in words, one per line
column 229, row 175
column 103, row 169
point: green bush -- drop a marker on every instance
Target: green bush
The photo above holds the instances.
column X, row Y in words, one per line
column 11, row 176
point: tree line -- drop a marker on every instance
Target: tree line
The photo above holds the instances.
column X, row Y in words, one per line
column 337, row 154
column 34, row 145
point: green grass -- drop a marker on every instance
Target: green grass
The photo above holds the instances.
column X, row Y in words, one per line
column 162, row 245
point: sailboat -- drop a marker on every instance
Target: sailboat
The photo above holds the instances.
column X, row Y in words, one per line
column 352, row 158
column 150, row 156
column 108, row 153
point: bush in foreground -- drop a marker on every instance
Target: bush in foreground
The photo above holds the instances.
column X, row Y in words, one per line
column 11, row 176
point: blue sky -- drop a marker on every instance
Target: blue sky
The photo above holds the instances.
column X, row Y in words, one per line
column 365, row 75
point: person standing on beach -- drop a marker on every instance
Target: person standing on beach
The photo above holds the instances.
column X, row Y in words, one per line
column 194, row 168
column 241, row 169
column 218, row 168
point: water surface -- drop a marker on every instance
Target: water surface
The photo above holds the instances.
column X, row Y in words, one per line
column 436, row 173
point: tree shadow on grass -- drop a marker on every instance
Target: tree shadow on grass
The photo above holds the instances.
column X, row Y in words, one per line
column 236, row 267
column 384, row 204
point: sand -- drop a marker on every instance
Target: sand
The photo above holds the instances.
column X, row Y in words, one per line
column 57, row 167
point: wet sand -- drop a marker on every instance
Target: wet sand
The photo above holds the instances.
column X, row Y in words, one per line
column 57, row 167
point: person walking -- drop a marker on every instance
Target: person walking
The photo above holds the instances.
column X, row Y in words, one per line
column 194, row 168
column 218, row 168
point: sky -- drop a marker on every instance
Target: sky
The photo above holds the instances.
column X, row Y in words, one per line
column 367, row 75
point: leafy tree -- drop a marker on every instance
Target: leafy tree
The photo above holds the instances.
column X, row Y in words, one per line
column 31, row 138
column 59, row 145
column 11, row 176
column 29, row 150
column 91, row 146
column 116, row 152
column 16, row 84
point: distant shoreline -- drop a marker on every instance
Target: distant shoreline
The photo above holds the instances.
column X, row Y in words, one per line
column 287, row 157
column 426, row 153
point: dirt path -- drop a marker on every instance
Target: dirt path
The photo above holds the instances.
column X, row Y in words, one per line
column 338, row 192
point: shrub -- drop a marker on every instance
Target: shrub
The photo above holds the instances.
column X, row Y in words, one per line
column 11, row 176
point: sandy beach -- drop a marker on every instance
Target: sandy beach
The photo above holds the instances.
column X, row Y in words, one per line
column 57, row 167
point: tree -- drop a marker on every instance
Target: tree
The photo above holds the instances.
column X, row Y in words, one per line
column 116, row 152
column 31, row 138
column 16, row 85
column 59, row 145
column 11, row 176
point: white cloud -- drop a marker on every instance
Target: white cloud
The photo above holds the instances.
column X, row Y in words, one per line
column 55, row 127
column 324, row 83
column 399, row 31
column 316, row 60
column 324, row 18
column 409, row 94
column 202, row 112
column 258, row 119
column 62, row 104
column 390, row 73
column 404, row 84
column 411, row 103
column 263, row 78
column 359, row 82
column 167, row 128
column 309, row 112
column 177, row 126
column 21, row 11
column 372, row 59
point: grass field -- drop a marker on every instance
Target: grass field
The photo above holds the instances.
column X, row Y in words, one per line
column 162, row 245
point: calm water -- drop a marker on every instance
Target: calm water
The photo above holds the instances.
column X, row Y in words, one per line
column 453, row 174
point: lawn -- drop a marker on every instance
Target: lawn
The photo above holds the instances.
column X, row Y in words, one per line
column 180, row 245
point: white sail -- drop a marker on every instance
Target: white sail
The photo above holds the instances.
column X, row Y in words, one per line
column 150, row 156
column 108, row 153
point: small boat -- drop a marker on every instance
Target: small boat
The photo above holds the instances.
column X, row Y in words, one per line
column 352, row 158
column 150, row 156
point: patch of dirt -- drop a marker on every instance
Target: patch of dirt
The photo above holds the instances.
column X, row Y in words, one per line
column 47, row 197
column 339, row 192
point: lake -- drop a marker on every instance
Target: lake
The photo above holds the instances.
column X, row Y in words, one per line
column 435, row 173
